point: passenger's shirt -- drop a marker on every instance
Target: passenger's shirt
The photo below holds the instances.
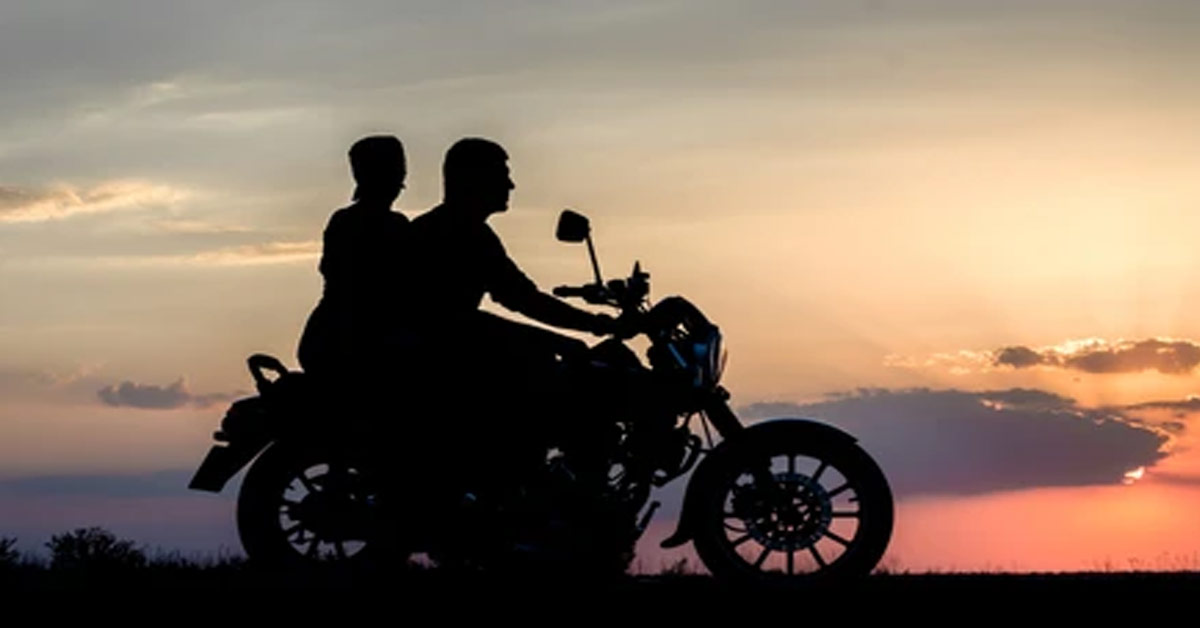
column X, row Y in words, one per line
column 363, row 261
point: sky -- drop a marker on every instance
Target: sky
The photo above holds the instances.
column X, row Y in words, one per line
column 961, row 230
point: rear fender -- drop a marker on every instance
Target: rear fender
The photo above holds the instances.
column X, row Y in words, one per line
column 765, row 431
column 223, row 462
column 247, row 429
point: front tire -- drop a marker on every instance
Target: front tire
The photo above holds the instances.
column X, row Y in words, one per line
column 792, row 505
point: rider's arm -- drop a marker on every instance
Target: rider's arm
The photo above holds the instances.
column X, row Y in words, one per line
column 511, row 288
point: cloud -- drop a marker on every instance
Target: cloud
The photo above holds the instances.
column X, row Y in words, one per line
column 149, row 396
column 959, row 362
column 1191, row 404
column 1027, row 399
column 1018, row 357
column 167, row 483
column 258, row 254
column 19, row 204
column 1089, row 355
column 23, row 381
column 1171, row 416
column 1165, row 356
column 27, row 377
column 960, row 442
column 262, row 253
column 195, row 227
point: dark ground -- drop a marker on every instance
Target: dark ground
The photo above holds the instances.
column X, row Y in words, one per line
column 903, row 593
column 892, row 601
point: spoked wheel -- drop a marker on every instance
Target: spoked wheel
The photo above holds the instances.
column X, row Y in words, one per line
column 794, row 511
column 298, row 506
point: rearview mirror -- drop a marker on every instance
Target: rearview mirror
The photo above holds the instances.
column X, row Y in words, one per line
column 572, row 227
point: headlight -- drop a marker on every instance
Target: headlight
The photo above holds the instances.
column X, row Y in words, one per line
column 709, row 359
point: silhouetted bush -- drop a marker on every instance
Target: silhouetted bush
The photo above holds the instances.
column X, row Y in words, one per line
column 678, row 568
column 93, row 548
column 9, row 557
column 175, row 560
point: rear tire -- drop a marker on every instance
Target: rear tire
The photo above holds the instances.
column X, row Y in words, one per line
column 304, row 507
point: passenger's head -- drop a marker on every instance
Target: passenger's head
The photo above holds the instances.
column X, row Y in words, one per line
column 475, row 173
column 378, row 165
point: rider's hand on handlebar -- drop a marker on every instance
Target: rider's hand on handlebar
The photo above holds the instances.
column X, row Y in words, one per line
column 606, row 325
column 603, row 325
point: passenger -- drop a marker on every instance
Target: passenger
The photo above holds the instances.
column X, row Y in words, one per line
column 352, row 335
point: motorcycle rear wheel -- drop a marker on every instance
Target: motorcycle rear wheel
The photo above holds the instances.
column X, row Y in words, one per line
column 306, row 507
column 793, row 510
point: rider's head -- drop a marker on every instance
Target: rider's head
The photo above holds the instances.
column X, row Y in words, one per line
column 475, row 174
column 379, row 168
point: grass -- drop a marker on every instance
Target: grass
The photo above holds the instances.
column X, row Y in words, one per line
column 682, row 579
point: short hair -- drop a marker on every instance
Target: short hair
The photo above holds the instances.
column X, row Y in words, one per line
column 468, row 157
column 374, row 157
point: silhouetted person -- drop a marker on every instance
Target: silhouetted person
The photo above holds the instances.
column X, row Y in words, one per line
column 353, row 331
column 461, row 258
column 353, row 346
column 495, row 372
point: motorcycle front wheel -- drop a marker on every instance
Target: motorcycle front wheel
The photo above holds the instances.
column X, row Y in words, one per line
column 304, row 506
column 791, row 506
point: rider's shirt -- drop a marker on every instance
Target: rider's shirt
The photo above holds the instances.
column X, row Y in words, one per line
column 457, row 259
column 460, row 260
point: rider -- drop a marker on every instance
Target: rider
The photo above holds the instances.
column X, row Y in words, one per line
column 352, row 332
column 478, row 357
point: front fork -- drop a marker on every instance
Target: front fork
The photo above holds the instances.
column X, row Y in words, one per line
column 727, row 424
column 717, row 411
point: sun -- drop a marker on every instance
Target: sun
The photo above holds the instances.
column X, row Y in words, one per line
column 1134, row 475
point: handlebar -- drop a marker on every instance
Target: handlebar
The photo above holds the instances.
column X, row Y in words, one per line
column 629, row 295
column 593, row 293
column 568, row 291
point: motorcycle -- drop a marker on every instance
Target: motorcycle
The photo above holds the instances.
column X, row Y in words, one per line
column 782, row 501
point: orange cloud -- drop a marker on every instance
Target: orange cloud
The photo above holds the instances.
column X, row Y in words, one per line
column 1090, row 355
column 18, row 204
column 195, row 227
column 261, row 253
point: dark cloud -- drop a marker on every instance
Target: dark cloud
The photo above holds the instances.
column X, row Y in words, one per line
column 1177, row 410
column 171, row 483
column 149, row 396
column 1187, row 405
column 1173, row 357
column 1018, row 357
column 1027, row 399
column 958, row 442
column 154, row 508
